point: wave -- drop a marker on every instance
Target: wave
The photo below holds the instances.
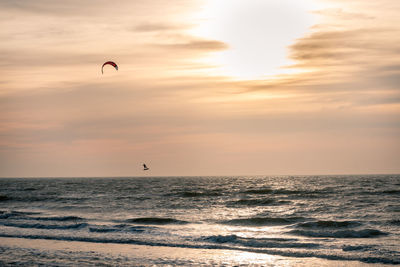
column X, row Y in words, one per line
column 394, row 222
column 391, row 192
column 329, row 224
column 283, row 191
column 252, row 202
column 103, row 230
column 353, row 248
column 257, row 202
column 272, row 251
column 40, row 198
column 29, row 189
column 259, row 242
column 45, row 226
column 91, row 228
column 134, row 198
column 260, row 221
column 259, row 191
column 119, row 228
column 112, row 241
column 365, row 233
column 22, row 198
column 58, row 219
column 381, row 192
column 197, row 194
column 23, row 216
column 323, row 193
column 15, row 214
column 4, row 198
column 156, row 220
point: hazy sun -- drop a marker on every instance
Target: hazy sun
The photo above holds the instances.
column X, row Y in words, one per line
column 258, row 33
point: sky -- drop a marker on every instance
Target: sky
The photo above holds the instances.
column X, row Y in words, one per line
column 204, row 87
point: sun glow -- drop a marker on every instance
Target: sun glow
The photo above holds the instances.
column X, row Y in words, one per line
column 257, row 32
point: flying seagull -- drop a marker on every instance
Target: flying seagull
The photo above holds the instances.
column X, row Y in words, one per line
column 145, row 167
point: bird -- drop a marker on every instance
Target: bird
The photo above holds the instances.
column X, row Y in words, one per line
column 145, row 168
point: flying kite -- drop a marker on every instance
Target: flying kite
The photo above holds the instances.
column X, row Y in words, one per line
column 145, row 168
column 109, row 63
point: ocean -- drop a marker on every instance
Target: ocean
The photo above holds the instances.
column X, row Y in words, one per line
column 225, row 221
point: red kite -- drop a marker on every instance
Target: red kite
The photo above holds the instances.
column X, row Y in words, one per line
column 109, row 63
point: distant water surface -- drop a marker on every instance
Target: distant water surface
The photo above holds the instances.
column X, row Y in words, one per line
column 346, row 218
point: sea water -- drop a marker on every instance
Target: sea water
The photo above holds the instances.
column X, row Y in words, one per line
column 336, row 218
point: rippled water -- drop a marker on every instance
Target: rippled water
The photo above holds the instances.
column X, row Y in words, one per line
column 330, row 217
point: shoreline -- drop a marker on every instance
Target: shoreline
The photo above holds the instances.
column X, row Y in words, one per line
column 20, row 251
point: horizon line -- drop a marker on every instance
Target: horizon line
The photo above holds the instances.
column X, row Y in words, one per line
column 192, row 176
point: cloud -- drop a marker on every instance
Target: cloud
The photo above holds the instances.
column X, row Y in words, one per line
column 348, row 62
column 196, row 45
column 158, row 27
column 342, row 47
column 57, row 109
column 343, row 15
column 76, row 8
column 69, row 7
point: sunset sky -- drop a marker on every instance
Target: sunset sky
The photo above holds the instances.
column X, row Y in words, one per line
column 204, row 87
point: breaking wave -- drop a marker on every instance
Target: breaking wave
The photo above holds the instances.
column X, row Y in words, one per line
column 259, row 242
column 275, row 247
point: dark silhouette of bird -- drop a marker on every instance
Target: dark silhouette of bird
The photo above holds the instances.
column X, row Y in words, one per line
column 145, row 168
